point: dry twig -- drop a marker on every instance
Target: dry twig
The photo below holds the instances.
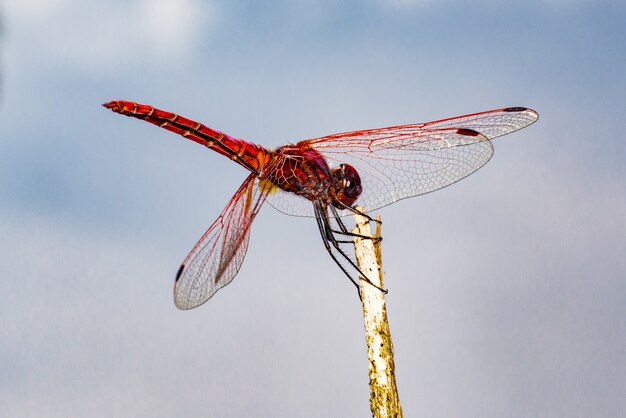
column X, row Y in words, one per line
column 384, row 401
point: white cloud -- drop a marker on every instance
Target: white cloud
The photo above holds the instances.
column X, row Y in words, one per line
column 101, row 36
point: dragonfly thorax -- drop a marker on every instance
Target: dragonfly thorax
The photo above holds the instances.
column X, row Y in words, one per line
column 305, row 172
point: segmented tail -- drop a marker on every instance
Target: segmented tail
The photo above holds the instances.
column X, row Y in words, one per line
column 251, row 156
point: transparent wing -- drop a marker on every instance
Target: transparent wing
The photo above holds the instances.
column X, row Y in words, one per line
column 410, row 160
column 218, row 255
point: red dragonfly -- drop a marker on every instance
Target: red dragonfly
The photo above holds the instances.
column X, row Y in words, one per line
column 326, row 178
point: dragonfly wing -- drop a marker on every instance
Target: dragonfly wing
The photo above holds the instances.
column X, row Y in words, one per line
column 491, row 123
column 410, row 160
column 218, row 255
column 291, row 204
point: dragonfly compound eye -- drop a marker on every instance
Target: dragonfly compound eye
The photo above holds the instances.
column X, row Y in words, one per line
column 347, row 183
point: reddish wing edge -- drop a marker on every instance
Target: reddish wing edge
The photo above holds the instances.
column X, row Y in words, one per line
column 490, row 123
column 219, row 254
column 399, row 162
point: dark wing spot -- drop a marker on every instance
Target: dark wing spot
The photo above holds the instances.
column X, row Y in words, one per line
column 467, row 132
column 180, row 271
column 515, row 109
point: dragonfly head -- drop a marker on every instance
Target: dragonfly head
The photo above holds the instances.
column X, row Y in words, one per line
column 347, row 185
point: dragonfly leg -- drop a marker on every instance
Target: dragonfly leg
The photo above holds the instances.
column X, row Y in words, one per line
column 344, row 230
column 352, row 234
column 324, row 233
column 358, row 212
column 344, row 255
column 324, row 224
column 344, row 241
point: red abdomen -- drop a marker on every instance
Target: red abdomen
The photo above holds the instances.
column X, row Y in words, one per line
column 251, row 156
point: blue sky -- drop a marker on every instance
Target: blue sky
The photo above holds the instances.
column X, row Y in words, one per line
column 507, row 290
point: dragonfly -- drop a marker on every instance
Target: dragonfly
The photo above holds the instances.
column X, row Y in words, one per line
column 326, row 178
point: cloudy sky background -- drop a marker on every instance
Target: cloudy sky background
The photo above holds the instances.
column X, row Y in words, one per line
column 507, row 290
